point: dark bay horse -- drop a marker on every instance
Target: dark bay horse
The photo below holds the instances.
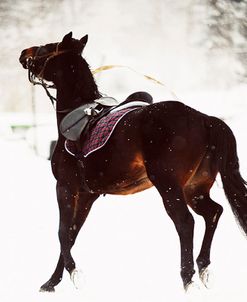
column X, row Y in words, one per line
column 167, row 145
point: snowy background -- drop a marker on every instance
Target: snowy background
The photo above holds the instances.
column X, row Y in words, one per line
column 128, row 249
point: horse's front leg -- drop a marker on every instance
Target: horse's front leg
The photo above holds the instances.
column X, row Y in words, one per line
column 74, row 207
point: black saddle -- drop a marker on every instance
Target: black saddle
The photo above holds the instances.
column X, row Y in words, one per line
column 81, row 119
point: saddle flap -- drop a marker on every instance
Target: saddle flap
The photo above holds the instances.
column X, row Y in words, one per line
column 75, row 122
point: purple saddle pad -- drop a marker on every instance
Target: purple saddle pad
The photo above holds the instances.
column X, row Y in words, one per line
column 99, row 134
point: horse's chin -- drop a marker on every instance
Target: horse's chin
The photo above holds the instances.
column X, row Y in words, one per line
column 32, row 67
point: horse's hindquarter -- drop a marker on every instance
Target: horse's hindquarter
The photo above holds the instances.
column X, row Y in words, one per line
column 166, row 134
column 175, row 139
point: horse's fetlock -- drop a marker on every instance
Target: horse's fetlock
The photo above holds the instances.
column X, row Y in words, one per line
column 202, row 263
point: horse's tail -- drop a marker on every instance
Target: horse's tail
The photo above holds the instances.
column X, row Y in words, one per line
column 224, row 147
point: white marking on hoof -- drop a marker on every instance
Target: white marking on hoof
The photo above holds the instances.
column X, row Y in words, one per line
column 192, row 286
column 193, row 292
column 206, row 277
column 77, row 278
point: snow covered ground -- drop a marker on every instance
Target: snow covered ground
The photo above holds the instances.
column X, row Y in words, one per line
column 128, row 249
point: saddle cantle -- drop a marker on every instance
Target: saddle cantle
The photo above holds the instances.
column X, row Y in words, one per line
column 78, row 120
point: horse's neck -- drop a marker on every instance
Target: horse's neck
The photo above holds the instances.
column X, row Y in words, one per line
column 76, row 89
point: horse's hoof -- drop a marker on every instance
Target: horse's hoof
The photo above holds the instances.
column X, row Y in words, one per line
column 46, row 288
column 77, row 278
column 193, row 292
column 191, row 287
column 206, row 277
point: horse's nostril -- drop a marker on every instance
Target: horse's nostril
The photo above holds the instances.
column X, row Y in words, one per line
column 26, row 56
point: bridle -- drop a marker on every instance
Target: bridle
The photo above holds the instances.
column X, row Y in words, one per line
column 39, row 79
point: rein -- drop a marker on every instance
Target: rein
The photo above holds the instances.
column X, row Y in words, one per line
column 32, row 77
column 40, row 79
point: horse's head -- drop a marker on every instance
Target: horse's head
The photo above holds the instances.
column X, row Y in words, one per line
column 40, row 59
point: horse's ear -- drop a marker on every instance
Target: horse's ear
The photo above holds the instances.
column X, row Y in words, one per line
column 83, row 41
column 67, row 38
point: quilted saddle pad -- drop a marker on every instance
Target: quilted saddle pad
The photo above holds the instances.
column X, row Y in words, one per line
column 99, row 134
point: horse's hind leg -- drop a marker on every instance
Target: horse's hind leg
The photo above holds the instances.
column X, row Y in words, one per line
column 175, row 205
column 74, row 207
column 197, row 196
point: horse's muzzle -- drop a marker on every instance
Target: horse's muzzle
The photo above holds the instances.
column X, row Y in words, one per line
column 24, row 59
column 27, row 56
